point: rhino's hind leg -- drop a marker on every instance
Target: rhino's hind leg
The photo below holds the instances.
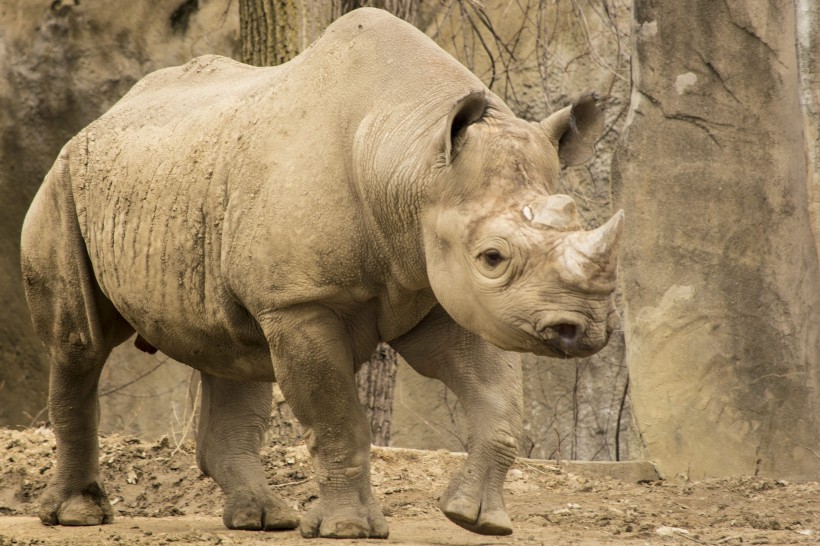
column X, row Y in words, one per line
column 78, row 326
column 79, row 345
column 233, row 420
column 487, row 382
column 75, row 494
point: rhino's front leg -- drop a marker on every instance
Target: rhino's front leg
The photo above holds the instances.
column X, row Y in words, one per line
column 233, row 419
column 487, row 382
column 313, row 362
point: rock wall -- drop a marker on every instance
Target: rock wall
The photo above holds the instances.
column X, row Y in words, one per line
column 720, row 267
column 62, row 64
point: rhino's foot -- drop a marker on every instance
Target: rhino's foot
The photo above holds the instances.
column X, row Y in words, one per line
column 258, row 512
column 347, row 522
column 89, row 506
column 470, row 515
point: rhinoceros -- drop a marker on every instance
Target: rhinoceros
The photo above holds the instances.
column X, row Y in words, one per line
column 276, row 224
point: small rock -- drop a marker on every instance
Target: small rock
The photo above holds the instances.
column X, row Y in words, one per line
column 669, row 531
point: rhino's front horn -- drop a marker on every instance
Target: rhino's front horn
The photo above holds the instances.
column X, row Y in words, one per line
column 591, row 257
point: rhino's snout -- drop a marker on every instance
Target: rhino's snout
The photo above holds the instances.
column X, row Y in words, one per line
column 566, row 338
column 565, row 333
column 563, row 338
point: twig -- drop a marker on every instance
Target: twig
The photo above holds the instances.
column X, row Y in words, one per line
column 593, row 52
column 810, row 450
column 297, row 482
column 683, row 506
column 37, row 416
column 693, row 539
column 188, row 424
column 535, row 468
column 124, row 385
column 438, row 430
column 727, row 539
column 618, row 422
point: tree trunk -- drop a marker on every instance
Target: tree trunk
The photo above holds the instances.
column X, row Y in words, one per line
column 719, row 266
column 376, row 380
column 274, row 31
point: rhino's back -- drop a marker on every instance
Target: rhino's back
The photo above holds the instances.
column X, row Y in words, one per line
column 367, row 59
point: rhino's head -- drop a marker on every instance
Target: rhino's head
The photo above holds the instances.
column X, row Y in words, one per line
column 506, row 257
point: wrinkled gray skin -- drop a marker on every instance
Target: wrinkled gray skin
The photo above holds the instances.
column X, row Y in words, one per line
column 265, row 224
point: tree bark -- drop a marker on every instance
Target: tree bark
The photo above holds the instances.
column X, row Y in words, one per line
column 274, row 31
column 376, row 381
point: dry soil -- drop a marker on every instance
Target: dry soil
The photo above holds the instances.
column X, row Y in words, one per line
column 160, row 497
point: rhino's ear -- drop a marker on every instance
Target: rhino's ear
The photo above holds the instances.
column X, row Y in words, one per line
column 575, row 129
column 466, row 111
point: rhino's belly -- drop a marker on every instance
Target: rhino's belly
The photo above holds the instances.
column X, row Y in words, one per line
column 221, row 343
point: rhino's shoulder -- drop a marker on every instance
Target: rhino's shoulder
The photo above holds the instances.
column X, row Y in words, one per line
column 374, row 49
column 377, row 31
column 359, row 19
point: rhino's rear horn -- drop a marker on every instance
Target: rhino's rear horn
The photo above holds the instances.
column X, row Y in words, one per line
column 556, row 211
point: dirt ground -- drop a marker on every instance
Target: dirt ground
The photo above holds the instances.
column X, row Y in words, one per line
column 161, row 498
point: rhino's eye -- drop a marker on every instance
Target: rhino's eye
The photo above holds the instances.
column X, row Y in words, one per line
column 492, row 258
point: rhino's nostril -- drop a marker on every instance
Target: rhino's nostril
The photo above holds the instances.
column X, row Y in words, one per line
column 567, row 332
